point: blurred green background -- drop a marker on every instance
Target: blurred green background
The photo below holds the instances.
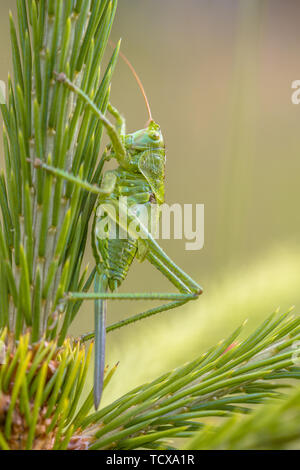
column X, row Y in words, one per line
column 218, row 76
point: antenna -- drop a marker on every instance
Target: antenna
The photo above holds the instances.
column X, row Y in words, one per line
column 139, row 82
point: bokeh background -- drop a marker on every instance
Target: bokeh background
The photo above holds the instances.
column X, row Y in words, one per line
column 218, row 75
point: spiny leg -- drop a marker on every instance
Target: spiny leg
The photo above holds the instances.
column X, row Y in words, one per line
column 156, row 255
column 162, row 308
column 112, row 209
column 120, row 121
column 188, row 288
column 177, row 282
column 75, row 296
column 104, row 190
column 126, row 220
column 136, row 318
column 115, row 137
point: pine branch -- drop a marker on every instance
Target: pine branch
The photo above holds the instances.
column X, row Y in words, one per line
column 40, row 388
column 274, row 426
column 41, row 385
column 45, row 220
column 227, row 380
column 43, row 234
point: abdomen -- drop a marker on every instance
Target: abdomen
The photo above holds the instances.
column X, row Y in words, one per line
column 117, row 254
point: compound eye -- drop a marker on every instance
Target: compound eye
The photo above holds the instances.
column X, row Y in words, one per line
column 154, row 135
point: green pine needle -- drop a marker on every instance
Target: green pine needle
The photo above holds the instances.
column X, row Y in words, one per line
column 45, row 219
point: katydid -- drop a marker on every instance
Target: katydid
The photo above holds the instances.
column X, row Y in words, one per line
column 140, row 178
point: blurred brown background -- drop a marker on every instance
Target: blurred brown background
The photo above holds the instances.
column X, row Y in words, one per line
column 218, row 76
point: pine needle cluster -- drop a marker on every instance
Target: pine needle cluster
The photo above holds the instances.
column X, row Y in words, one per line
column 43, row 238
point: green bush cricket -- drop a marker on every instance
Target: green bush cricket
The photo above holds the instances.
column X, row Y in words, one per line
column 140, row 178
